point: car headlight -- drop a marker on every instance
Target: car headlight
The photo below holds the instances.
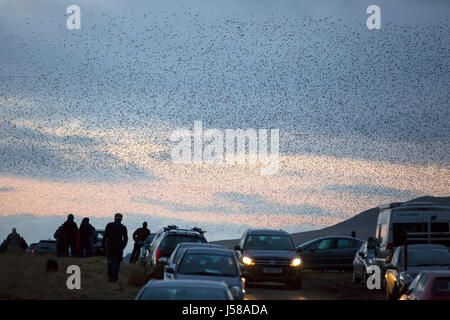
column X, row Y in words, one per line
column 296, row 262
column 248, row 261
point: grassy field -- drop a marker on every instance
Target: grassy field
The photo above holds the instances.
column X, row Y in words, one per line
column 25, row 277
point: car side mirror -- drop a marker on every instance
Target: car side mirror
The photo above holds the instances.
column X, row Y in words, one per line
column 169, row 270
column 163, row 260
column 361, row 254
column 237, row 247
column 298, row 250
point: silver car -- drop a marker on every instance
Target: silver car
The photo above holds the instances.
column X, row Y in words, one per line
column 211, row 264
column 179, row 250
column 184, row 290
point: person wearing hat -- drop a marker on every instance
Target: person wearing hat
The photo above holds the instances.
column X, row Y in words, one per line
column 114, row 241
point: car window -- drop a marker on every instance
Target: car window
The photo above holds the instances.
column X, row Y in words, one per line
column 184, row 294
column 426, row 257
column 326, row 244
column 170, row 242
column 345, row 243
column 441, row 286
column 421, row 284
column 412, row 286
column 394, row 260
column 401, row 230
column 208, row 264
column 268, row 242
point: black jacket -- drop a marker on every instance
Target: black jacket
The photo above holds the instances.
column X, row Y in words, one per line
column 141, row 234
column 70, row 229
column 115, row 238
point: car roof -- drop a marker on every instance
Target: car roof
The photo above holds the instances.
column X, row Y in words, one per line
column 218, row 251
column 424, row 246
column 332, row 237
column 186, row 283
column 200, row 244
column 267, row 232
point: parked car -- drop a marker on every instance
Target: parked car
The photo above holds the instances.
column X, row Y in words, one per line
column 184, row 290
column 211, row 264
column 164, row 244
column 269, row 255
column 429, row 285
column 330, row 253
column 45, row 247
column 97, row 247
column 420, row 257
column 429, row 222
column 179, row 250
column 364, row 258
column 30, row 248
column 145, row 248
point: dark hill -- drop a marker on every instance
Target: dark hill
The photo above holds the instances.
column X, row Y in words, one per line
column 364, row 224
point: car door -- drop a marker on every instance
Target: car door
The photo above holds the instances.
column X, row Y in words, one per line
column 345, row 251
column 319, row 253
column 359, row 260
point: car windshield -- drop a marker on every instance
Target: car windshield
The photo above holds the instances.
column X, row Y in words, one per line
column 427, row 257
column 441, row 286
column 171, row 242
column 268, row 242
column 208, row 265
column 184, row 294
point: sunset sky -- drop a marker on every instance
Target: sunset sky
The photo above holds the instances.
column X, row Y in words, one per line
column 85, row 115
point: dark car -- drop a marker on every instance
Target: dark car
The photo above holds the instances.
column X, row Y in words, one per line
column 213, row 264
column 165, row 243
column 329, row 253
column 400, row 272
column 184, row 290
column 30, row 248
column 269, row 256
column 45, row 247
column 364, row 258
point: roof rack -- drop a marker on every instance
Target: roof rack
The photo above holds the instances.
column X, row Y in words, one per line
column 427, row 236
column 171, row 227
column 390, row 205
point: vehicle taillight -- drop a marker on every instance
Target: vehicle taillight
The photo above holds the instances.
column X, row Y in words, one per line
column 158, row 254
column 388, row 252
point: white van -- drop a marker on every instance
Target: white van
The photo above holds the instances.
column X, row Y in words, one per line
column 415, row 222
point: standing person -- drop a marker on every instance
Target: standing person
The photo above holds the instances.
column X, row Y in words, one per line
column 60, row 242
column 70, row 229
column 114, row 241
column 14, row 242
column 85, row 233
column 139, row 237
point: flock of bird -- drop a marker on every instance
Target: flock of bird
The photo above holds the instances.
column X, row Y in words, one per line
column 331, row 87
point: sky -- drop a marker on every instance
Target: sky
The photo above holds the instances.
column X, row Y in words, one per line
column 86, row 115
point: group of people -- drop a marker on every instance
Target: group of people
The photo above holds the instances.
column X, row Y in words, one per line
column 71, row 241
